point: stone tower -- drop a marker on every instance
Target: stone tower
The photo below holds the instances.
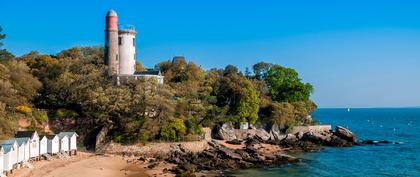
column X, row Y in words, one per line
column 111, row 43
column 127, row 49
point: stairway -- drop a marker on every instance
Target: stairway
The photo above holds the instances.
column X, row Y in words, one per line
column 48, row 157
column 27, row 164
column 61, row 156
column 65, row 154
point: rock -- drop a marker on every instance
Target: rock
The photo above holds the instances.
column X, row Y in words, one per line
column 299, row 135
column 316, row 137
column 275, row 133
column 235, row 142
column 224, row 132
column 345, row 134
column 262, row 134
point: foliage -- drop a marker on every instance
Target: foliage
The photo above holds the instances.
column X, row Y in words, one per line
column 260, row 69
column 284, row 84
column 24, row 109
column 40, row 116
column 73, row 85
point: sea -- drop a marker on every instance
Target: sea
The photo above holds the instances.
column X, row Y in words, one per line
column 392, row 124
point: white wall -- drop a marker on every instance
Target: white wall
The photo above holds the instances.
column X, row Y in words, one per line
column 21, row 153
column 64, row 144
column 43, row 146
column 1, row 162
column 53, row 145
column 73, row 142
column 127, row 53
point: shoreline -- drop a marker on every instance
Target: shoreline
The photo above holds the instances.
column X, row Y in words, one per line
column 208, row 157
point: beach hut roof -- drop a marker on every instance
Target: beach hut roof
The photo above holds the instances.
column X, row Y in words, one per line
column 8, row 142
column 61, row 136
column 21, row 141
column 22, row 134
column 69, row 134
column 50, row 137
column 7, row 147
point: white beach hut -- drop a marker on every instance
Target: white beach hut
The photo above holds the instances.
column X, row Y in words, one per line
column 72, row 141
column 1, row 160
column 64, row 142
column 9, row 157
column 23, row 149
column 27, row 144
column 34, row 142
column 43, row 145
column 20, row 152
column 53, row 144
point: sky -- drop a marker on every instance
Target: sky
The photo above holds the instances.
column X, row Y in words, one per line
column 355, row 53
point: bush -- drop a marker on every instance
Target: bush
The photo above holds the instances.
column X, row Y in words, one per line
column 24, row 109
column 40, row 116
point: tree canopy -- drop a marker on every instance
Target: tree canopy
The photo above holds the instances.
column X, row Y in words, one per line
column 71, row 91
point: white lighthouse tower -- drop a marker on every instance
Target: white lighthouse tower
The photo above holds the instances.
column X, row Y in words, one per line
column 127, row 49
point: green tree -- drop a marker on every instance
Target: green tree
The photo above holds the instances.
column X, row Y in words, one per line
column 4, row 54
column 284, row 84
column 260, row 69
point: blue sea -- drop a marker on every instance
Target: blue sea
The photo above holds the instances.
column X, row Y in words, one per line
column 399, row 125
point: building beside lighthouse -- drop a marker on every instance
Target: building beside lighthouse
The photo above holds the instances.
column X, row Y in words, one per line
column 120, row 50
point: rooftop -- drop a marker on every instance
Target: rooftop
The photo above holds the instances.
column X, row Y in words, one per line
column 111, row 13
column 148, row 72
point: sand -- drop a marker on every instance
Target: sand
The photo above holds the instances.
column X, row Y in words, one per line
column 85, row 165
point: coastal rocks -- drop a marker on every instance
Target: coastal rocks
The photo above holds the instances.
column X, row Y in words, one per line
column 235, row 142
column 345, row 134
column 275, row 133
column 220, row 157
column 224, row 132
column 262, row 134
column 374, row 142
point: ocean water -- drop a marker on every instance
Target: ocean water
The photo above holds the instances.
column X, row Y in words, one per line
column 399, row 125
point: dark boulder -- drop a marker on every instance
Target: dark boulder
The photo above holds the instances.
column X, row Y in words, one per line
column 345, row 134
column 235, row 142
column 224, row 132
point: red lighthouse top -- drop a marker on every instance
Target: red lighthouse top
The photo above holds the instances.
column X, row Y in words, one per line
column 111, row 20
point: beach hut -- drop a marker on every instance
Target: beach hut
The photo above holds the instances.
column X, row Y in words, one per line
column 26, row 152
column 1, row 160
column 34, row 142
column 64, row 142
column 53, row 144
column 9, row 156
column 72, row 141
column 43, row 145
column 20, row 152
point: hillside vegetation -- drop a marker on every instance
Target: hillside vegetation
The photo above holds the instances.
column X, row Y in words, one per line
column 70, row 91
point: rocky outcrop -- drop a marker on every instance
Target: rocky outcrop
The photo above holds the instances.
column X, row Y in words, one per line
column 276, row 134
column 345, row 134
column 219, row 157
column 224, row 132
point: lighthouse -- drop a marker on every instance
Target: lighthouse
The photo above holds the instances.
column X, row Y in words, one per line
column 120, row 51
column 111, row 43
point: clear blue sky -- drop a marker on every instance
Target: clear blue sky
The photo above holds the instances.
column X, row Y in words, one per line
column 356, row 54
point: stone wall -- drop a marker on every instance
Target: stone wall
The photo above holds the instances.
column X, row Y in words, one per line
column 312, row 128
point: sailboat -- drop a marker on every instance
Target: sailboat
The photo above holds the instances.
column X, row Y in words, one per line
column 348, row 109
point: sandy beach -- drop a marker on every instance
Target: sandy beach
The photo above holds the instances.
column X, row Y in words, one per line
column 89, row 165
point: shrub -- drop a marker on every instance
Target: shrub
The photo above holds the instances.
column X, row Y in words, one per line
column 40, row 116
column 24, row 109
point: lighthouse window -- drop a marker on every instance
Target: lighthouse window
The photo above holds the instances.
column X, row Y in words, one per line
column 119, row 41
column 134, row 42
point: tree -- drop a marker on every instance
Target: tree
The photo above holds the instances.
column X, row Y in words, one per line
column 260, row 69
column 4, row 54
column 139, row 67
column 284, row 84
